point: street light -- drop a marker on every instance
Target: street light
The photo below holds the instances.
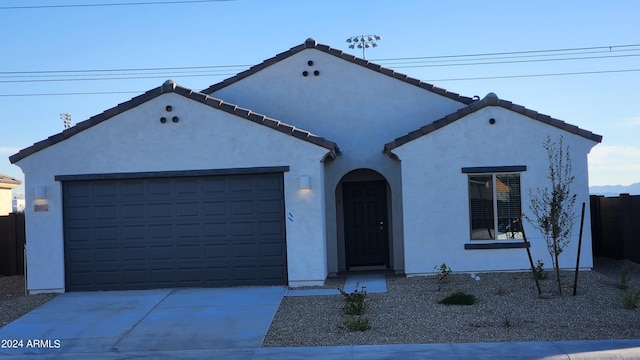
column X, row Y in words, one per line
column 363, row 42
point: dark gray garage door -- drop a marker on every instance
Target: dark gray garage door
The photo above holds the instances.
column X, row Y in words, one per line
column 188, row 231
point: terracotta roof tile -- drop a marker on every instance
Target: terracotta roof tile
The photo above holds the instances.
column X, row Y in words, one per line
column 312, row 44
column 6, row 179
column 172, row 87
column 490, row 100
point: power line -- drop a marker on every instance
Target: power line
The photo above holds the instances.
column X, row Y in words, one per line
column 429, row 80
column 123, row 70
column 108, row 4
column 518, row 61
column 116, row 78
column 538, row 75
column 75, row 93
column 500, row 55
column 610, row 47
column 229, row 70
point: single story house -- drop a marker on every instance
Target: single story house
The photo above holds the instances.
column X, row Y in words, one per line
column 311, row 163
column 7, row 184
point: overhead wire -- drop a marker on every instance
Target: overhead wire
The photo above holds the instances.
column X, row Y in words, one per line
column 27, row 7
column 515, row 57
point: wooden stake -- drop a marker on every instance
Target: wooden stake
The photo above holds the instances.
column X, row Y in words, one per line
column 533, row 268
column 575, row 280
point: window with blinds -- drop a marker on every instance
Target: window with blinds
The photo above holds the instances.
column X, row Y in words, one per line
column 495, row 206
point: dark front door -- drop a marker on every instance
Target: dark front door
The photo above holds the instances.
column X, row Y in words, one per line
column 365, row 223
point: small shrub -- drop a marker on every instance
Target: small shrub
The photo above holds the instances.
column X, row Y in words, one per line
column 356, row 296
column 354, row 308
column 623, row 282
column 539, row 270
column 458, row 298
column 355, row 303
column 444, row 272
column 357, row 323
column 506, row 322
column 631, row 298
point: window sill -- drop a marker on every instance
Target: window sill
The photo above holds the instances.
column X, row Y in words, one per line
column 496, row 245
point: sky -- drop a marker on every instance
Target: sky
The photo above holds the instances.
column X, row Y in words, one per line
column 577, row 61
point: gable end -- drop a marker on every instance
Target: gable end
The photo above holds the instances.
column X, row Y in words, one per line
column 171, row 87
column 490, row 100
column 312, row 44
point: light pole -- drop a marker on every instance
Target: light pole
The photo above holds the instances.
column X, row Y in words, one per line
column 363, row 42
column 66, row 118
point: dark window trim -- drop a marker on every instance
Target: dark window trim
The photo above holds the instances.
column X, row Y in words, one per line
column 179, row 173
column 493, row 169
column 497, row 245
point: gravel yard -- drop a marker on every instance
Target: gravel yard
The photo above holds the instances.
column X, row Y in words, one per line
column 13, row 302
column 507, row 309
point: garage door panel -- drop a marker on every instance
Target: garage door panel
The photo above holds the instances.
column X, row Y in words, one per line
column 133, row 211
column 272, row 207
column 172, row 232
column 160, row 210
column 79, row 213
column 131, row 189
column 242, row 229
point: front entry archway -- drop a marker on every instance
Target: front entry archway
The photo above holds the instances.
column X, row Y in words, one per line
column 363, row 209
column 366, row 223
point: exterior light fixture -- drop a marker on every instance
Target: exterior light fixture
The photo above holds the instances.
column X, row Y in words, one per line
column 41, row 192
column 304, row 182
column 41, row 203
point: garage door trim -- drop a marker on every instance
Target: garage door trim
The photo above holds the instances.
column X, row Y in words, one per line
column 178, row 173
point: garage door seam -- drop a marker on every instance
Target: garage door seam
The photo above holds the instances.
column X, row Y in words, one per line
column 115, row 346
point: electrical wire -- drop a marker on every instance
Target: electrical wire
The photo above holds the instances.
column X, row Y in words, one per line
column 403, row 62
column 107, row 4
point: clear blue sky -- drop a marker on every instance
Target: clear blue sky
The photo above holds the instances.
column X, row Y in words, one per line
column 246, row 32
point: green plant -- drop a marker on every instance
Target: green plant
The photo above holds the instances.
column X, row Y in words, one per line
column 539, row 270
column 444, row 272
column 357, row 323
column 458, row 298
column 355, row 308
column 356, row 296
column 552, row 208
column 355, row 303
column 623, row 282
column 630, row 298
column 506, row 321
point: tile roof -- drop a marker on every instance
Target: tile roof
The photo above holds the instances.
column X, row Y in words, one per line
column 490, row 100
column 6, row 179
column 313, row 44
column 171, row 87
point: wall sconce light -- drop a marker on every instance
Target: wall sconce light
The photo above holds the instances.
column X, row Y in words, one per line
column 304, row 182
column 41, row 192
column 41, row 203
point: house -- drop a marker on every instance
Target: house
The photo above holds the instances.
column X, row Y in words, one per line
column 7, row 184
column 312, row 163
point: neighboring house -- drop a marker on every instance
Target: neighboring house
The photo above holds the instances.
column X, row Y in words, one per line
column 312, row 163
column 18, row 203
column 7, row 184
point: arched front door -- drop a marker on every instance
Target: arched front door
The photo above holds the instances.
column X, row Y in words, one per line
column 366, row 232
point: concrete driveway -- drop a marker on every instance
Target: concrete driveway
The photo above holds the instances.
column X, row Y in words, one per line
column 121, row 322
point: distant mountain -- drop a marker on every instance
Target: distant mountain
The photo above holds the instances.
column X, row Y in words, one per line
column 615, row 190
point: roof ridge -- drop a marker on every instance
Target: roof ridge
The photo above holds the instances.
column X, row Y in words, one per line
column 491, row 99
column 311, row 43
column 171, row 86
